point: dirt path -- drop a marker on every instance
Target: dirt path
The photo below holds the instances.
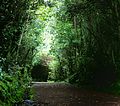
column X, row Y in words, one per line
column 60, row 94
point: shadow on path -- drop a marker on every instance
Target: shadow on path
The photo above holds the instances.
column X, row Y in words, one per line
column 61, row 94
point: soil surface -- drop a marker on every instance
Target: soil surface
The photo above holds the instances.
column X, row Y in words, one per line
column 61, row 94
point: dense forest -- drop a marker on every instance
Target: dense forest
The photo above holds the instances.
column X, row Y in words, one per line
column 73, row 41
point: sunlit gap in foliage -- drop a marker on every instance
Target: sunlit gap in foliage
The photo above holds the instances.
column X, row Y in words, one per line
column 46, row 51
column 47, row 16
column 48, row 35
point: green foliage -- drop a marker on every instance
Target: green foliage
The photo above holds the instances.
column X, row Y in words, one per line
column 77, row 39
column 86, row 44
column 12, row 87
column 18, row 33
column 60, row 47
column 16, row 48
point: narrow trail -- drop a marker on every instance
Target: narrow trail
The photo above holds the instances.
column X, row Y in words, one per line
column 61, row 94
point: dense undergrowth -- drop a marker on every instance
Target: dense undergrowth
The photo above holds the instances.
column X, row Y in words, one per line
column 15, row 50
column 13, row 88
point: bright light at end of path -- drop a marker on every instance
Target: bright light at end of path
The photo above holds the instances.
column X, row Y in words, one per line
column 47, row 40
column 48, row 35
